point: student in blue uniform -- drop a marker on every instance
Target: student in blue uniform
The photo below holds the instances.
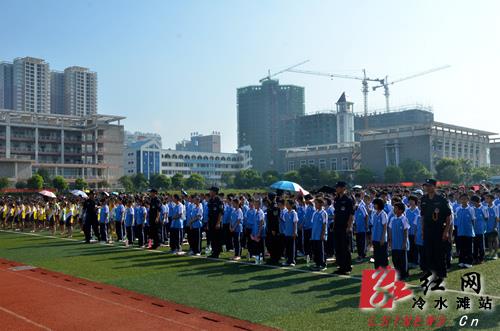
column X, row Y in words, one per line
column 248, row 223
column 164, row 221
column 330, row 243
column 307, row 227
column 360, row 226
column 195, row 226
column 290, row 233
column 283, row 215
column 226, row 221
column 419, row 242
column 301, row 213
column 236, row 228
column 119, row 213
column 464, row 221
column 104, row 221
column 398, row 237
column 245, row 235
column 319, row 234
column 379, row 234
column 492, row 227
column 412, row 213
column 176, row 226
column 481, row 213
column 139, row 215
column 258, row 235
column 129, row 223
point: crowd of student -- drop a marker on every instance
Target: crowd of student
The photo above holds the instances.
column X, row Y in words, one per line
column 277, row 227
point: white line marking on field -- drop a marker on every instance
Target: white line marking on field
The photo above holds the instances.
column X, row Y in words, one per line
column 321, row 273
column 102, row 299
column 27, row 320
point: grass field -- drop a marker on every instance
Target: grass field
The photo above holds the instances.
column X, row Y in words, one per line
column 290, row 299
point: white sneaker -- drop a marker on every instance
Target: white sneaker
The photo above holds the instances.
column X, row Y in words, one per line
column 468, row 265
column 495, row 257
column 461, row 265
column 292, row 264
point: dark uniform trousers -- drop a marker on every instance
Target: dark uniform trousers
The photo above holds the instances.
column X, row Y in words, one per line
column 400, row 261
column 342, row 248
column 318, row 248
column 290, row 249
column 435, row 252
column 91, row 224
column 478, row 253
column 154, row 232
column 361, row 244
column 228, row 238
column 330, row 243
column 216, row 239
column 273, row 247
column 413, row 252
column 465, row 244
column 380, row 254
column 194, row 238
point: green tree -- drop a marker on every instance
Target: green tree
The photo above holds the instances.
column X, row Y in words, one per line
column 127, row 183
column 4, row 182
column 309, row 176
column 421, row 175
column 177, row 181
column 249, row 178
column 480, row 174
column 195, row 181
column 269, row 177
column 328, row 177
column 140, row 182
column 47, row 178
column 292, row 176
column 59, row 183
column 449, row 170
column 393, row 174
column 21, row 184
column 227, row 179
column 35, row 182
column 414, row 171
column 80, row 184
column 102, row 184
column 159, row 181
column 364, row 176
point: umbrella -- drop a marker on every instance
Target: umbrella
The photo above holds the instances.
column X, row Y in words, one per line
column 326, row 189
column 48, row 194
column 357, row 187
column 106, row 194
column 285, row 185
column 79, row 193
column 115, row 193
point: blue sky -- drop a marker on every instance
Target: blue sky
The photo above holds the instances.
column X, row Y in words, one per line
column 173, row 67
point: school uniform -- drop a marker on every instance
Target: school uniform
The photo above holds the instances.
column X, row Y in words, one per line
column 492, row 227
column 103, row 222
column 419, row 242
column 176, row 227
column 399, row 244
column 290, row 233
column 283, row 216
column 307, row 229
column 301, row 213
column 139, row 216
column 129, row 224
column 412, row 216
column 248, row 223
column 330, row 240
column 118, row 216
column 258, row 235
column 195, row 228
column 379, row 250
column 237, row 230
column 479, row 231
column 319, row 235
column 226, row 222
column 464, row 221
column 360, row 228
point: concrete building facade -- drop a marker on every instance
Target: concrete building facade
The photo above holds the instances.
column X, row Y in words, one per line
column 31, row 85
column 6, row 85
column 80, row 91
column 57, row 92
column 495, row 151
column 210, row 143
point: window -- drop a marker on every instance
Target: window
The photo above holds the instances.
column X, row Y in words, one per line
column 333, row 164
column 303, row 163
column 345, row 163
column 311, row 162
column 291, row 165
column 322, row 164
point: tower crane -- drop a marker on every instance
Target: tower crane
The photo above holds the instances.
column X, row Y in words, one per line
column 385, row 82
column 364, row 81
column 269, row 75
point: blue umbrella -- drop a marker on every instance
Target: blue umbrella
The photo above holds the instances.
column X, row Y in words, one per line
column 285, row 185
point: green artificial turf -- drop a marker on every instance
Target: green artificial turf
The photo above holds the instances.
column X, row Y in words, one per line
column 286, row 299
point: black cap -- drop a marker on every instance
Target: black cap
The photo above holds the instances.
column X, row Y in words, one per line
column 271, row 195
column 430, row 181
column 153, row 190
column 214, row 189
column 341, row 184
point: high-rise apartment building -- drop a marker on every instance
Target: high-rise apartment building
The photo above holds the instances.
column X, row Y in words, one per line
column 261, row 112
column 6, row 85
column 57, row 92
column 80, row 91
column 31, row 85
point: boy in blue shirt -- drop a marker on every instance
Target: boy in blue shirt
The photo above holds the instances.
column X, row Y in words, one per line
column 119, row 212
column 360, row 227
column 290, row 233
column 492, row 227
column 319, row 234
column 307, row 227
column 226, row 221
column 176, row 226
column 236, row 228
column 104, row 220
column 139, row 215
column 464, row 221
column 330, row 243
column 195, row 226
column 258, row 234
column 379, row 234
column 412, row 214
column 129, row 223
column 398, row 237
column 481, row 213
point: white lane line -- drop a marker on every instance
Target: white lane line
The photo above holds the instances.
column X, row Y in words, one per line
column 27, row 320
column 320, row 273
column 101, row 299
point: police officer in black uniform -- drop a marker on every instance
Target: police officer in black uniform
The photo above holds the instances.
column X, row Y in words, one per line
column 89, row 209
column 436, row 217
column 215, row 210
column 273, row 229
column 154, row 218
column 342, row 225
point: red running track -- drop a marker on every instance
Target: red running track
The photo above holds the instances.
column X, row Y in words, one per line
column 38, row 299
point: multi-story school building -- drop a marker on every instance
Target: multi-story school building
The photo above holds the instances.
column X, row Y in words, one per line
column 148, row 157
column 427, row 143
column 495, row 151
column 88, row 147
